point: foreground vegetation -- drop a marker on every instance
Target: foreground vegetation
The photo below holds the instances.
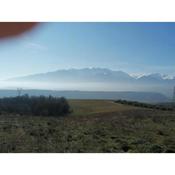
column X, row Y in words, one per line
column 93, row 126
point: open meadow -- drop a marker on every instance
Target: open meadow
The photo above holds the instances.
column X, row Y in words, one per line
column 93, row 126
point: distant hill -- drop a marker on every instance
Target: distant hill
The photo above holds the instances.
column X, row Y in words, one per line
column 97, row 79
column 93, row 74
column 74, row 75
column 149, row 97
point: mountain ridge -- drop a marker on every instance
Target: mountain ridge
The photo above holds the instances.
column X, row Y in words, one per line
column 98, row 79
column 99, row 71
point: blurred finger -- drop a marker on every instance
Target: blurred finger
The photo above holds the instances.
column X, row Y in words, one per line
column 12, row 29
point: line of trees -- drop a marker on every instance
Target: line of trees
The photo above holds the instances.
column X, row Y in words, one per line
column 147, row 105
column 39, row 106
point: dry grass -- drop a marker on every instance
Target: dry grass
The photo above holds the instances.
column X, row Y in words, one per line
column 94, row 126
column 90, row 107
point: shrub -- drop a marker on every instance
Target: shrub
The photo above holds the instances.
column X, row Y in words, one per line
column 25, row 105
column 156, row 149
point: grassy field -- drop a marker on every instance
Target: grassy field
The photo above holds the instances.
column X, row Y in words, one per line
column 93, row 126
column 91, row 107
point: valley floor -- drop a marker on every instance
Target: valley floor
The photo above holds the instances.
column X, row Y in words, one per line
column 94, row 126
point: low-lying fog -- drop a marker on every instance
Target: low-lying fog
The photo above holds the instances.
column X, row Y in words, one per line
column 87, row 86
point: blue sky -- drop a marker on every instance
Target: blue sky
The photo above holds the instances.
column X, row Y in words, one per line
column 136, row 48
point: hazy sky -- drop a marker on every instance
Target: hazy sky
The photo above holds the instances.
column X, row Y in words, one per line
column 132, row 47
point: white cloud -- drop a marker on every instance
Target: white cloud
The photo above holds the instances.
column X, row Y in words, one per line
column 27, row 43
column 37, row 46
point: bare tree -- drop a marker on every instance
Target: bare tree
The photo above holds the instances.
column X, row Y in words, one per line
column 174, row 94
column 19, row 91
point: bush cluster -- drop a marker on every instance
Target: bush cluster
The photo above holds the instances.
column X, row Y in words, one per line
column 146, row 105
column 39, row 106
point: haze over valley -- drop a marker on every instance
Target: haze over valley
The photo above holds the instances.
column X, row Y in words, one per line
column 98, row 83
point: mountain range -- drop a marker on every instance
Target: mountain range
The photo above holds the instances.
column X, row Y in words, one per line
column 92, row 74
column 100, row 79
